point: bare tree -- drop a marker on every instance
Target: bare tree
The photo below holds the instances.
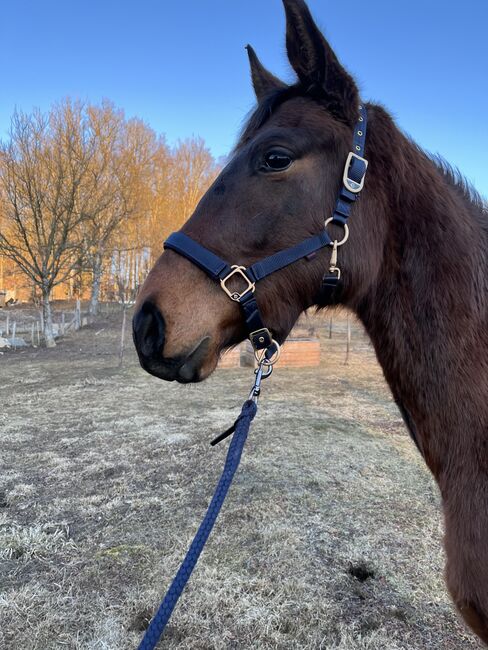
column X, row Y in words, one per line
column 42, row 167
column 179, row 177
column 118, row 188
column 85, row 191
column 193, row 170
column 102, row 205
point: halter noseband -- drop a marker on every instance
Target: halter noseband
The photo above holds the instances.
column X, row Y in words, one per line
column 219, row 270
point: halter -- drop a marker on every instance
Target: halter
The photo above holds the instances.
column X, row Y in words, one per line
column 221, row 271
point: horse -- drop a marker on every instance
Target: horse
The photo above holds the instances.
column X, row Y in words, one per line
column 414, row 270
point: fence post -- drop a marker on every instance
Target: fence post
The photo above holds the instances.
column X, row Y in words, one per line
column 122, row 336
column 78, row 314
column 38, row 334
column 63, row 323
column 7, row 324
column 14, row 332
column 32, row 334
column 348, row 348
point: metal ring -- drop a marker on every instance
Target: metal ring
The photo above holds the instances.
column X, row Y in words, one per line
column 346, row 231
column 261, row 358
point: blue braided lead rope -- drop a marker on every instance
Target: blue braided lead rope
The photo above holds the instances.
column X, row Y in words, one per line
column 162, row 616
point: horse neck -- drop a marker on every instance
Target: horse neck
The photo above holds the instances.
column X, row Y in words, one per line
column 427, row 310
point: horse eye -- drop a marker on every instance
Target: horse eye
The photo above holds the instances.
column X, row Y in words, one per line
column 277, row 161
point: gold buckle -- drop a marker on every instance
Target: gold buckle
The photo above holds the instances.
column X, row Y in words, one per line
column 235, row 295
column 349, row 184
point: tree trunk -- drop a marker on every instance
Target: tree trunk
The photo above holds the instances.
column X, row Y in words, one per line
column 47, row 319
column 96, row 284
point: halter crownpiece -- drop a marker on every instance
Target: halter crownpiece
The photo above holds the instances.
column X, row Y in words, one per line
column 220, row 271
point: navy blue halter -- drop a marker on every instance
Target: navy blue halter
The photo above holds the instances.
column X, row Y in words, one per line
column 221, row 271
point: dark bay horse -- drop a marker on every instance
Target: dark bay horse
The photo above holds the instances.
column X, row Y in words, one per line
column 414, row 270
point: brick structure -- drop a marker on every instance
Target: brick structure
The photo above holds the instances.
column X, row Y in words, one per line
column 303, row 352
column 231, row 358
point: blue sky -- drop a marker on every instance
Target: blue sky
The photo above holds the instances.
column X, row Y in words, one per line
column 182, row 67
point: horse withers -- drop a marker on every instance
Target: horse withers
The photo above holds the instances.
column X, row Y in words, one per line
column 426, row 315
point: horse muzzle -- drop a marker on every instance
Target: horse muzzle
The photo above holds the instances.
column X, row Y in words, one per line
column 148, row 330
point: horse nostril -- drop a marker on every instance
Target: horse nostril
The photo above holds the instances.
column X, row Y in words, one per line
column 148, row 329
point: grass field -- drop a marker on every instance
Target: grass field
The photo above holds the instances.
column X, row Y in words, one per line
column 331, row 536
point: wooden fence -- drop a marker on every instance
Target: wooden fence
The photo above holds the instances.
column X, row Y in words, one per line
column 28, row 329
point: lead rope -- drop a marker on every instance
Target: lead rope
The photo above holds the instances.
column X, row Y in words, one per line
column 240, row 429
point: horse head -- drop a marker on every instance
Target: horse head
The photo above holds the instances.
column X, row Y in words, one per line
column 278, row 188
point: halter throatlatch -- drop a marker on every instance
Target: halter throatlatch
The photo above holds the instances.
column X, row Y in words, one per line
column 221, row 271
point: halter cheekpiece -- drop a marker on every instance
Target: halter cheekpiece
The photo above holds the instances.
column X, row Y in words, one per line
column 221, row 271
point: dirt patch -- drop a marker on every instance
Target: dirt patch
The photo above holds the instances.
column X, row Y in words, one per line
column 361, row 571
column 331, row 536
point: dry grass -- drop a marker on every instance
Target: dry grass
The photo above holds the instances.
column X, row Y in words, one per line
column 330, row 538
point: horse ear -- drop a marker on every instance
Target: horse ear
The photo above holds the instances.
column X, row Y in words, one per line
column 262, row 80
column 315, row 63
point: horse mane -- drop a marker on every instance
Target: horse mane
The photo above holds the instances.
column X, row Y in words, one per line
column 464, row 188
